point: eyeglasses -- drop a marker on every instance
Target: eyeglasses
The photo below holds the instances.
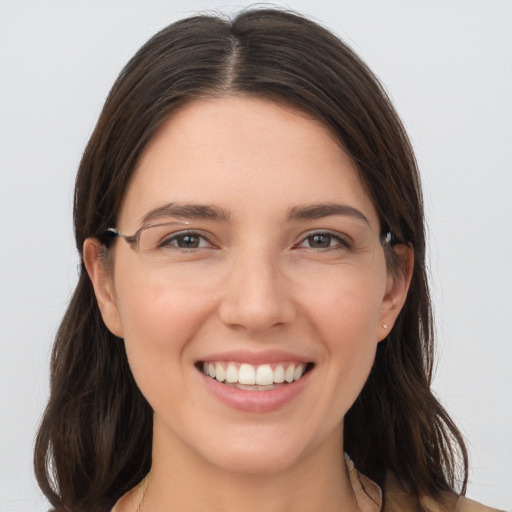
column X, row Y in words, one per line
column 164, row 237
column 151, row 238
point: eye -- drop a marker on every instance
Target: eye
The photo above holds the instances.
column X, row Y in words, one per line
column 185, row 240
column 325, row 241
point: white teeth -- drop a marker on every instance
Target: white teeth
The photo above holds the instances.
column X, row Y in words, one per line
column 297, row 374
column 288, row 374
column 256, row 376
column 220, row 373
column 255, row 387
column 246, row 374
column 264, row 375
column 279, row 374
column 231, row 374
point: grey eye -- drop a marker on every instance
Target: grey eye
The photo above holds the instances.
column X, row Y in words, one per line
column 188, row 241
column 320, row 241
column 185, row 241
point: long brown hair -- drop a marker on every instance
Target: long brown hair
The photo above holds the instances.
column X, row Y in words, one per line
column 95, row 438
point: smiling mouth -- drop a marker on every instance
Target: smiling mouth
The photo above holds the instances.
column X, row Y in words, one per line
column 248, row 377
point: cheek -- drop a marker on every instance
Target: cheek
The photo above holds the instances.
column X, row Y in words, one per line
column 347, row 305
column 158, row 324
column 344, row 320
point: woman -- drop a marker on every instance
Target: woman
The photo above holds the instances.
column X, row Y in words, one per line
column 253, row 300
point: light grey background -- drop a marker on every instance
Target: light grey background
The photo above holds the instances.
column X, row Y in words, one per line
column 448, row 67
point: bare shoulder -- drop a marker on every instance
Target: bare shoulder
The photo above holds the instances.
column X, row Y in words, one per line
column 468, row 505
column 408, row 503
column 397, row 499
column 455, row 503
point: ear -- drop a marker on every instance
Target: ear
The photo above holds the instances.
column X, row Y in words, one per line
column 103, row 285
column 396, row 290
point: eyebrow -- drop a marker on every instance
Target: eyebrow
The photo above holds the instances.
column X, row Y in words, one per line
column 211, row 212
column 321, row 210
column 187, row 211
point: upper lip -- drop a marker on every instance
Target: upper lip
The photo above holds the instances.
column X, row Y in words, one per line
column 256, row 358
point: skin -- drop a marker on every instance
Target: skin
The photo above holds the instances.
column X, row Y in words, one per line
column 257, row 284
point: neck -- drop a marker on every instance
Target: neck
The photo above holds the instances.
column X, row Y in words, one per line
column 182, row 480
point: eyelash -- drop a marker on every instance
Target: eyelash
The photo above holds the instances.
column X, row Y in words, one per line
column 341, row 242
column 167, row 241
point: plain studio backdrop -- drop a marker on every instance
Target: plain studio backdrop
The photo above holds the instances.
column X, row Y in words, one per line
column 448, row 68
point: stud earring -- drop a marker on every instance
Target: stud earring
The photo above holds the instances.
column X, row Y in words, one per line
column 385, row 326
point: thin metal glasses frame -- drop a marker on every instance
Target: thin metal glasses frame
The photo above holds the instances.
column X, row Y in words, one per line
column 134, row 240
column 388, row 236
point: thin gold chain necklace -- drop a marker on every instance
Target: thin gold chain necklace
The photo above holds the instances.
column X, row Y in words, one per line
column 141, row 502
column 349, row 464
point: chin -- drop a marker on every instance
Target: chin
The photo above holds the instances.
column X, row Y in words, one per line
column 262, row 451
column 256, row 460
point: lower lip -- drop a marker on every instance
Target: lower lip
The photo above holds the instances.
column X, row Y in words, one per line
column 255, row 401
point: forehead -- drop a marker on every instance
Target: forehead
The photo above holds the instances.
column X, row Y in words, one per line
column 243, row 153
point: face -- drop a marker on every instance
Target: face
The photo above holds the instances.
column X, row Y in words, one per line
column 252, row 317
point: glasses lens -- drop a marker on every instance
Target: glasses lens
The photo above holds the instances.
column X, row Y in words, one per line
column 152, row 238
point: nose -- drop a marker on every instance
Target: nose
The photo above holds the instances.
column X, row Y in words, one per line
column 256, row 296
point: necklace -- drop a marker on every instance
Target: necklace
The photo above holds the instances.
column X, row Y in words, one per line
column 370, row 500
column 141, row 502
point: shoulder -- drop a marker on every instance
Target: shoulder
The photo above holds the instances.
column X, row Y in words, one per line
column 466, row 505
column 456, row 504
column 396, row 499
